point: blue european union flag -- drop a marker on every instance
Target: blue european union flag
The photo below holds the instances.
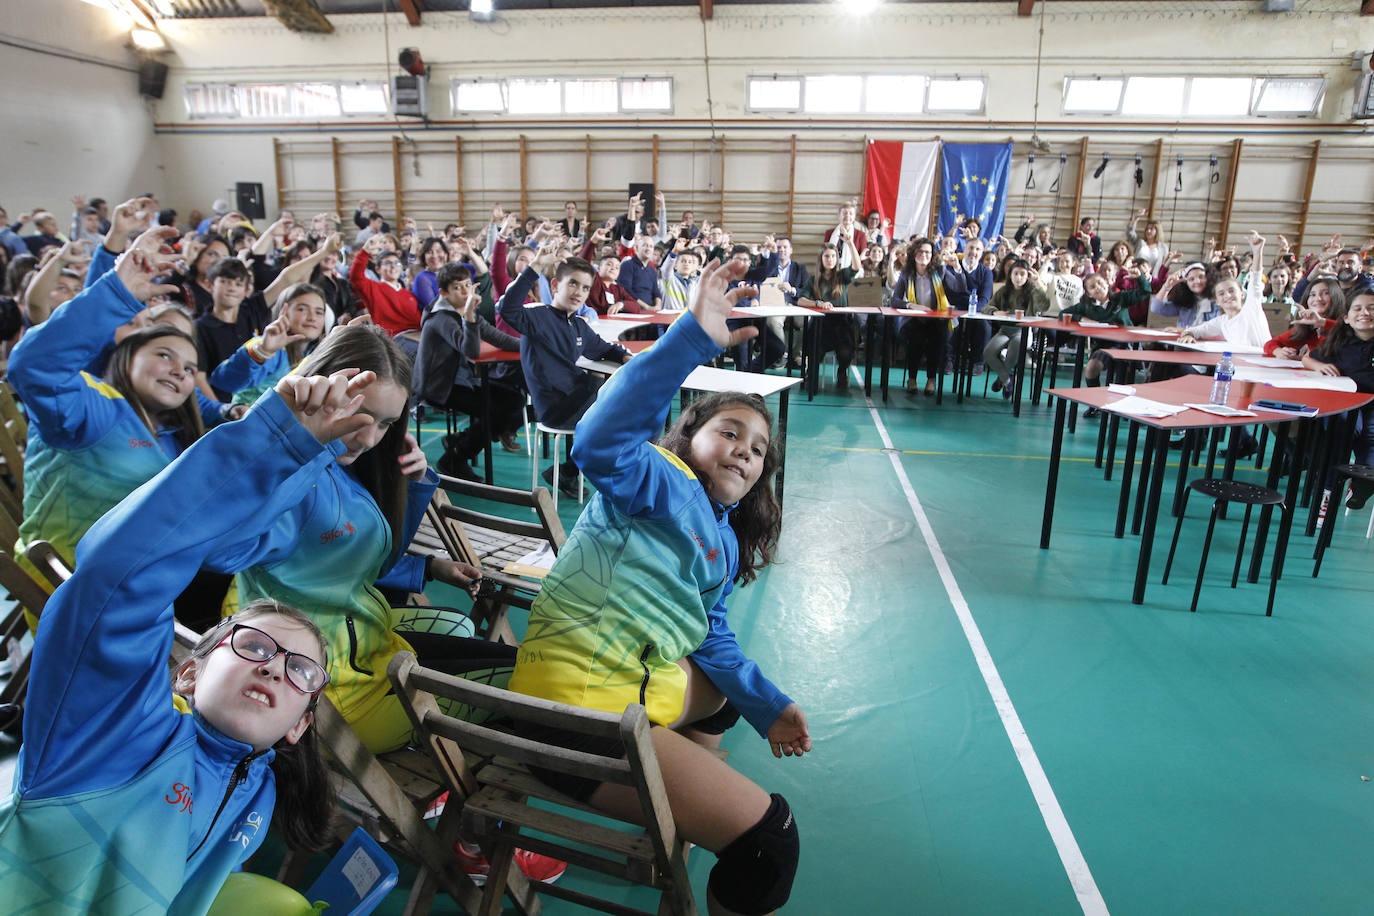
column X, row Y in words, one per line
column 974, row 183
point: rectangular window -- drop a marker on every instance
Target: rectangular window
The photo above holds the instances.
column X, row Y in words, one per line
column 956, row 95
column 1219, row 97
column 834, row 94
column 1092, row 95
column 529, row 97
column 773, row 93
column 315, row 100
column 590, row 96
column 1154, row 95
column 363, row 98
column 479, row 96
column 894, row 94
column 1295, row 98
column 212, row 100
column 646, row 94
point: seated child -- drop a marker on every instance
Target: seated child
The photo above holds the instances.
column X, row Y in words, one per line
column 634, row 609
column 552, row 338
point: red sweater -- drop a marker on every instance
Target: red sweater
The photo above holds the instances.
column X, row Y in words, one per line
column 395, row 310
column 1287, row 338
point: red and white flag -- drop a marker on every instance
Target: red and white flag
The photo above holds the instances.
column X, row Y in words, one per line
column 899, row 184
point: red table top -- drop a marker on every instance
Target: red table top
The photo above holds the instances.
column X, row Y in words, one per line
column 1196, row 389
column 1176, row 357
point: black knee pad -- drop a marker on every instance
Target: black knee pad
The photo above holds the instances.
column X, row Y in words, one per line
column 754, row 873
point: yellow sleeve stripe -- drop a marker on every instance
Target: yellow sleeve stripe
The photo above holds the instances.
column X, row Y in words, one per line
column 676, row 462
column 108, row 390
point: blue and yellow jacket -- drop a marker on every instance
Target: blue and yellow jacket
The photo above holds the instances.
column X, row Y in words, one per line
column 122, row 801
column 88, row 448
column 327, row 554
column 643, row 578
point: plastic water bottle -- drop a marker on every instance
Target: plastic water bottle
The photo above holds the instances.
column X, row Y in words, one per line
column 973, row 300
column 1221, row 384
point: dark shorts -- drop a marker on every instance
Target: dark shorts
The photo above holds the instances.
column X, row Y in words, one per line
column 579, row 787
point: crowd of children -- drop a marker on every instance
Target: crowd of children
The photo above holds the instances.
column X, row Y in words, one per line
column 270, row 375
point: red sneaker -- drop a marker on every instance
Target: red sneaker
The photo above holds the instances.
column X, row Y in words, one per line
column 535, row 867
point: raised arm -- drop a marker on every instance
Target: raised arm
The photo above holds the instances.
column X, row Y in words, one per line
column 612, row 446
column 302, row 269
column 108, row 630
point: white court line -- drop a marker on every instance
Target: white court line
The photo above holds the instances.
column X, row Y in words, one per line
column 1080, row 877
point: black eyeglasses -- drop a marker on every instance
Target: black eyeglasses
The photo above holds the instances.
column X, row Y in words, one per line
column 253, row 645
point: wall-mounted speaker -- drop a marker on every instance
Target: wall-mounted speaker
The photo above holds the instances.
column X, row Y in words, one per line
column 152, row 77
column 248, row 199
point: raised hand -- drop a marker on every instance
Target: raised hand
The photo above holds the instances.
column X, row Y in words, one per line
column 412, row 460
column 788, row 736
column 149, row 257
column 276, row 336
column 328, row 406
column 132, row 216
column 714, row 302
column 1256, row 244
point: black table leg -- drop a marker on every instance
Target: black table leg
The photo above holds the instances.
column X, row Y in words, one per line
column 1276, row 462
column 870, row 323
column 1052, row 481
column 782, row 444
column 485, row 381
column 1185, row 460
column 1285, row 518
column 1147, row 457
column 1077, row 380
column 1147, row 538
column 888, row 334
column 1123, row 502
column 1020, row 375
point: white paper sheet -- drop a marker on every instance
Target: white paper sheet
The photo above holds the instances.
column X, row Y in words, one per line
column 1270, row 362
column 1121, row 389
column 1221, row 410
column 1219, row 346
column 1089, row 323
column 1143, row 407
column 1294, row 378
column 775, row 311
column 1156, row 332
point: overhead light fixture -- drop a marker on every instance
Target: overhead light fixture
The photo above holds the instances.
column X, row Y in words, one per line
column 481, row 10
column 147, row 39
column 859, row 7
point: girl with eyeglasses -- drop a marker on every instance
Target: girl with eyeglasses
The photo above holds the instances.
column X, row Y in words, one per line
column 133, row 794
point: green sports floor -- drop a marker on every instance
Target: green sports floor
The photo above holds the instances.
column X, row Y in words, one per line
column 998, row 729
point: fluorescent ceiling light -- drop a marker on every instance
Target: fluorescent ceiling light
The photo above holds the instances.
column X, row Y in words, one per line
column 147, row 40
column 859, row 7
column 481, row 10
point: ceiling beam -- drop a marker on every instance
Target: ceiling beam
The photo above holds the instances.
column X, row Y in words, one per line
column 707, row 8
column 412, row 10
column 299, row 15
column 1023, row 7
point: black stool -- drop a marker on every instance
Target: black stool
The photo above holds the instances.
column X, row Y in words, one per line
column 1340, row 474
column 1221, row 493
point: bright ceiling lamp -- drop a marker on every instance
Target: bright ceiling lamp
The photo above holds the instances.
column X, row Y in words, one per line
column 859, row 7
column 480, row 10
column 147, row 40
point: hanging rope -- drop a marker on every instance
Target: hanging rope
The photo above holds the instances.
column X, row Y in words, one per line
column 1139, row 181
column 1178, row 186
column 1101, row 185
column 1207, row 212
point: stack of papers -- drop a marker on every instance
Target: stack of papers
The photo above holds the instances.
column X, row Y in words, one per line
column 1156, row 332
column 1219, row 346
column 1089, row 323
column 1295, row 378
column 1144, row 407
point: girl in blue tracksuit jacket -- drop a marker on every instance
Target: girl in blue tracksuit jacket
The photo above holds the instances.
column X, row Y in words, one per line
column 633, row 610
column 127, row 798
column 93, row 440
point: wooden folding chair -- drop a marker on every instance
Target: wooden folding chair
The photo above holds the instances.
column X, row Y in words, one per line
column 492, row 543
column 497, row 790
column 29, row 596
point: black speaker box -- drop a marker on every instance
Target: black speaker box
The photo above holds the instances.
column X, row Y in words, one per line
column 152, row 78
column 248, row 199
column 646, row 189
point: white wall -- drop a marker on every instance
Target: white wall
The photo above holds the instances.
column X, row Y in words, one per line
column 74, row 121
